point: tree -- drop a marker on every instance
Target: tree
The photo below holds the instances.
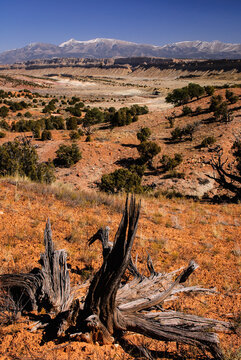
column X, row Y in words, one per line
column 143, row 134
column 169, row 163
column 121, row 180
column 46, row 135
column 4, row 111
column 215, row 102
column 186, row 110
column 231, row 97
column 148, row 150
column 67, row 155
column 71, row 123
column 178, row 96
column 20, row 157
column 209, row 90
column 207, row 141
column 195, row 90
column 228, row 175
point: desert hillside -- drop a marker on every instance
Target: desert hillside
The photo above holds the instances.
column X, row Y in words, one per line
column 64, row 131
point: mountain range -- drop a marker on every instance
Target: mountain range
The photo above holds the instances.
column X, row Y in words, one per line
column 110, row 48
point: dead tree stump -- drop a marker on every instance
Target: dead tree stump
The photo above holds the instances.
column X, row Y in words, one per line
column 112, row 308
column 48, row 287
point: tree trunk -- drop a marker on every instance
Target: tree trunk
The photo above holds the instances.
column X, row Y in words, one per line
column 110, row 308
column 48, row 287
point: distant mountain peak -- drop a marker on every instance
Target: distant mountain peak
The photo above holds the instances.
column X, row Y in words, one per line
column 94, row 41
column 112, row 48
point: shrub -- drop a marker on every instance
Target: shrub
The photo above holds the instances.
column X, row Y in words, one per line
column 177, row 134
column 74, row 111
column 74, row 135
column 187, row 131
column 4, row 111
column 178, row 96
column 231, row 97
column 4, row 125
column 36, row 132
column 215, row 102
column 186, row 110
column 121, row 180
column 46, row 135
column 20, row 157
column 80, row 132
column 88, row 138
column 121, row 118
column 169, row 163
column 209, row 90
column 195, row 90
column 143, row 134
column 71, row 123
column 198, row 110
column 57, row 122
column 67, row 155
column 209, row 140
column 2, row 135
column 148, row 150
column 28, row 115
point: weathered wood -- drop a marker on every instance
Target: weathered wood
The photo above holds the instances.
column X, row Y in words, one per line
column 101, row 296
column 103, row 235
column 111, row 308
column 118, row 309
column 56, row 283
column 48, row 287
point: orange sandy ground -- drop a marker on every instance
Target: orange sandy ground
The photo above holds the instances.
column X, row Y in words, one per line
column 172, row 231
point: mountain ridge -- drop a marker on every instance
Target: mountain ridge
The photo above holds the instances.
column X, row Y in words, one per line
column 111, row 48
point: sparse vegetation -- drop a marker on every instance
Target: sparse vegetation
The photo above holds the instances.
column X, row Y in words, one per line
column 207, row 141
column 121, row 180
column 143, row 134
column 169, row 163
column 148, row 150
column 20, row 158
column 67, row 155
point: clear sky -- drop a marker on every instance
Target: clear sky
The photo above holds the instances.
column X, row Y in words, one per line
column 157, row 22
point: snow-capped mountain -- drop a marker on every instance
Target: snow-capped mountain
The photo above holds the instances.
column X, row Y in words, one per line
column 108, row 48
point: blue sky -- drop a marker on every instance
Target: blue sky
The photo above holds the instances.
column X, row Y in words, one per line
column 155, row 22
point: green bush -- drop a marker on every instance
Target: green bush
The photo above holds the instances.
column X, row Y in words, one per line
column 28, row 115
column 186, row 132
column 88, row 138
column 67, row 155
column 215, row 102
column 4, row 111
column 4, row 125
column 209, row 90
column 186, row 110
column 184, row 95
column 20, row 157
column 121, row 180
column 2, row 135
column 46, row 135
column 168, row 163
column 143, row 134
column 209, row 140
column 36, row 132
column 71, row 123
column 74, row 135
column 231, row 97
column 147, row 151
